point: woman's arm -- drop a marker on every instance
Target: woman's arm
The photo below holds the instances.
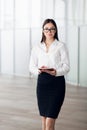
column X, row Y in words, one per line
column 33, row 65
column 64, row 66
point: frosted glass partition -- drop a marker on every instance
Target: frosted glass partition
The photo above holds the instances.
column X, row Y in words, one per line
column 47, row 10
column 72, row 43
column 59, row 10
column 22, row 51
column 61, row 33
column 6, row 14
column 35, row 36
column 22, row 13
column 83, row 56
column 7, row 51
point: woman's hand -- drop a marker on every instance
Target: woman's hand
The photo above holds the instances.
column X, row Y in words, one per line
column 50, row 71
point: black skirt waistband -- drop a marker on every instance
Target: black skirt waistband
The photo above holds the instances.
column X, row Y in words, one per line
column 47, row 78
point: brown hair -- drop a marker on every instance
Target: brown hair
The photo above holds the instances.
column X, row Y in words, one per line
column 54, row 23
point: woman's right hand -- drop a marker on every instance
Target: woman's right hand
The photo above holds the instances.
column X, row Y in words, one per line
column 42, row 68
column 47, row 70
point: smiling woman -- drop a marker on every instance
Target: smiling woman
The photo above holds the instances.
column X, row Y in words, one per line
column 50, row 71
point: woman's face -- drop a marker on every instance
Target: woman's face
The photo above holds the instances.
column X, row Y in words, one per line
column 49, row 30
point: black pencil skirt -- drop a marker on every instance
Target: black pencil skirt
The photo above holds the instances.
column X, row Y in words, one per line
column 50, row 94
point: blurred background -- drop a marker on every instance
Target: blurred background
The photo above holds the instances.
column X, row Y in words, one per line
column 21, row 26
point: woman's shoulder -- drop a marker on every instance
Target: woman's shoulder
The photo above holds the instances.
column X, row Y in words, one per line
column 60, row 43
column 61, row 46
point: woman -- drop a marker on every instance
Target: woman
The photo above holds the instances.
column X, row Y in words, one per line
column 49, row 60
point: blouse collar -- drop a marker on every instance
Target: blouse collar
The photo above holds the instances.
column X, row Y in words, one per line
column 52, row 46
column 54, row 43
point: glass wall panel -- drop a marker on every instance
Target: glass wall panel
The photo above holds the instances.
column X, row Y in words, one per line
column 77, row 12
column 35, row 13
column 6, row 14
column 35, row 36
column 22, row 51
column 7, row 52
column 72, row 43
column 61, row 33
column 83, row 56
column 59, row 15
column 85, row 14
column 47, row 9
column 59, row 12
column 22, row 13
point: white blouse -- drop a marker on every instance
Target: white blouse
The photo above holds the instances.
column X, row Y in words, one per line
column 57, row 57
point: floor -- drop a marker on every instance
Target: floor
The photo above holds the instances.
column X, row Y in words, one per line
column 18, row 106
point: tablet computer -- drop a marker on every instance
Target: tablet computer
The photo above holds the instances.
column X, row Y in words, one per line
column 50, row 69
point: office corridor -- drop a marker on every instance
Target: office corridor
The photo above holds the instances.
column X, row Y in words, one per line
column 18, row 106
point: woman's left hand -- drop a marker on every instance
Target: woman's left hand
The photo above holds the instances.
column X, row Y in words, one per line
column 51, row 72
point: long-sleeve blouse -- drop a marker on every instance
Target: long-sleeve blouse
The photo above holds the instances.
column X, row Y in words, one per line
column 57, row 57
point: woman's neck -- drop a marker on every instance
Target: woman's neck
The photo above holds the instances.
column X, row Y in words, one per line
column 48, row 42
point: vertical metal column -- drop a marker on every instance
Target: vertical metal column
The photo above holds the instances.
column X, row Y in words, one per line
column 54, row 2
column 66, row 25
column 78, row 62
column 30, row 44
column 14, row 37
column 66, row 19
column 84, row 11
column 0, row 50
column 0, row 36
